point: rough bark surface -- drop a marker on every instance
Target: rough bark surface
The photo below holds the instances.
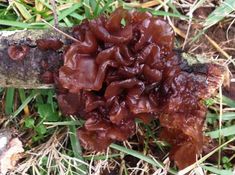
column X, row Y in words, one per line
column 26, row 73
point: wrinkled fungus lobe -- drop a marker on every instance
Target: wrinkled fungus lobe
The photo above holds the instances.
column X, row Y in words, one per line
column 116, row 73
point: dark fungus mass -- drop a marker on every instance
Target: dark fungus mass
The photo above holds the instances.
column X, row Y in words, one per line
column 116, row 73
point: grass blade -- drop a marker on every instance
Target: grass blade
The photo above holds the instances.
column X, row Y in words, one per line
column 225, row 117
column 227, row 131
column 65, row 123
column 9, row 105
column 102, row 157
column 77, row 16
column 14, row 23
column 141, row 157
column 87, row 7
column 107, row 4
column 163, row 13
column 22, row 9
column 24, row 104
column 68, row 11
column 218, row 171
column 227, row 7
column 21, row 24
column 228, row 101
column 77, row 150
column 97, row 8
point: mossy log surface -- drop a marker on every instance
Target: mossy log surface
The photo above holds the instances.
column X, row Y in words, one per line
column 26, row 73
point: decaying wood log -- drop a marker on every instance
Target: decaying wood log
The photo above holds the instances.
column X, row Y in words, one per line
column 26, row 73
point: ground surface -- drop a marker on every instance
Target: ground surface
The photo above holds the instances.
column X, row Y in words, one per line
column 205, row 30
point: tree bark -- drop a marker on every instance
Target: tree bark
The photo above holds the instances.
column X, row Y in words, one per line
column 26, row 73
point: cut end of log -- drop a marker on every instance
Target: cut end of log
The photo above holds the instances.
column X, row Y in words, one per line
column 10, row 149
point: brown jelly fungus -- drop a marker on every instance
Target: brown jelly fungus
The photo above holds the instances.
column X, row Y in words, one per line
column 49, row 44
column 116, row 73
column 18, row 53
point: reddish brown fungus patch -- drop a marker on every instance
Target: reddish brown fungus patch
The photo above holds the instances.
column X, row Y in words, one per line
column 47, row 77
column 114, row 74
column 18, row 53
column 49, row 44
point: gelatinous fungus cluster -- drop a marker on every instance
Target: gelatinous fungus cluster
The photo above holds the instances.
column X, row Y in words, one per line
column 124, row 67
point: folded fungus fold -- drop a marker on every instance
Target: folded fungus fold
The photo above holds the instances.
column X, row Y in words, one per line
column 124, row 67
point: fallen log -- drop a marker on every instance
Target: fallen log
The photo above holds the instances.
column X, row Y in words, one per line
column 26, row 73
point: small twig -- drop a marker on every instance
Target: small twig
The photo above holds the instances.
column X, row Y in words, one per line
column 217, row 47
column 220, row 124
column 145, row 4
column 227, row 31
column 177, row 30
column 187, row 33
column 149, row 4
column 60, row 31
column 56, row 22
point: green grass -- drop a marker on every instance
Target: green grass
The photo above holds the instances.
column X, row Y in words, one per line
column 24, row 103
column 229, row 116
column 224, row 132
column 141, row 157
column 45, row 119
column 218, row 171
column 9, row 106
column 221, row 12
column 77, row 150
